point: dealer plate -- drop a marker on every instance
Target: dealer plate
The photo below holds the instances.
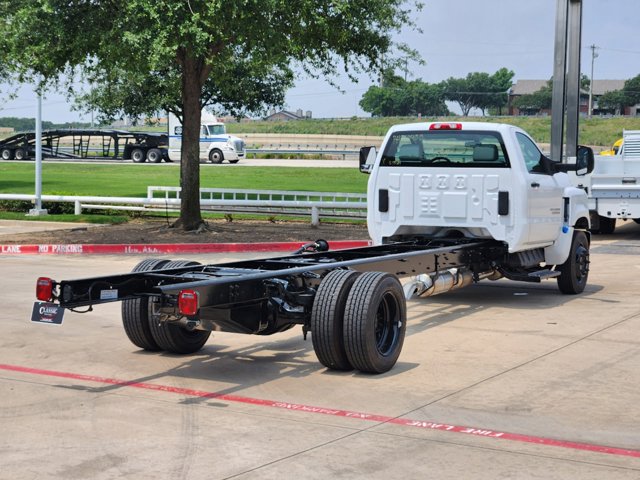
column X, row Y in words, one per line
column 45, row 312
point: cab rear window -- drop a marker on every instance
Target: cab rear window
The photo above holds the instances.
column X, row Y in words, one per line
column 449, row 148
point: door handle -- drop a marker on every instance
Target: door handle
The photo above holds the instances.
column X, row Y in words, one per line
column 535, row 184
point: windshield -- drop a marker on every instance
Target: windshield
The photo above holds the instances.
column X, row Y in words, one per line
column 451, row 148
column 216, row 129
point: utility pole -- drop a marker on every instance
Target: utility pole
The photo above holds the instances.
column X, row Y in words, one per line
column 594, row 55
column 38, row 210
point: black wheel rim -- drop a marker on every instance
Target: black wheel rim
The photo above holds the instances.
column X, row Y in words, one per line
column 582, row 263
column 387, row 324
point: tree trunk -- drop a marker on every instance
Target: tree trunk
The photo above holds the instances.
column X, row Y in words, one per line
column 190, row 216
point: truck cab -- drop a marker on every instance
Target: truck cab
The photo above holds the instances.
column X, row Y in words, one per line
column 215, row 144
column 476, row 180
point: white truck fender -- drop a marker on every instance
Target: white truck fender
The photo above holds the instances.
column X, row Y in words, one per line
column 578, row 218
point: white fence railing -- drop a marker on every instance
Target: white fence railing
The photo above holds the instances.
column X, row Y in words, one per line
column 269, row 202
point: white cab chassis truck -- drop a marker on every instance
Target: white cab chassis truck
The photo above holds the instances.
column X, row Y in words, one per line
column 614, row 185
column 215, row 144
column 450, row 204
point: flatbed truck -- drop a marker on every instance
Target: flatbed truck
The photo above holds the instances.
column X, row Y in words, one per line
column 450, row 204
column 614, row 185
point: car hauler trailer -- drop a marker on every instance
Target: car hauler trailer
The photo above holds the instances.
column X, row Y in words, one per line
column 88, row 144
column 450, row 204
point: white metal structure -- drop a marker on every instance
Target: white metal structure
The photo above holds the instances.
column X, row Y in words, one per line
column 215, row 144
column 614, row 185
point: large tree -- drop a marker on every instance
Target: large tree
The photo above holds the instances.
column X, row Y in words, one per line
column 398, row 97
column 182, row 55
column 479, row 90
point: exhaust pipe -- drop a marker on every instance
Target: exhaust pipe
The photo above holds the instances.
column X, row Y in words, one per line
column 427, row 285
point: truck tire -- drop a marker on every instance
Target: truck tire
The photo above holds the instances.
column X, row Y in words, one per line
column 637, row 220
column 575, row 271
column 327, row 319
column 607, row 225
column 234, row 161
column 7, row 154
column 154, row 155
column 136, row 316
column 20, row 154
column 375, row 322
column 138, row 155
column 175, row 338
column 216, row 156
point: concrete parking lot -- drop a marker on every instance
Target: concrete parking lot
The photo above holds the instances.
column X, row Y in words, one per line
column 499, row 380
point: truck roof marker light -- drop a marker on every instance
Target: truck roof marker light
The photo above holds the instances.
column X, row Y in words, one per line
column 44, row 289
column 188, row 302
column 445, row 126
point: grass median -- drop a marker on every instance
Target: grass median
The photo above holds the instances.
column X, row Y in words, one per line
column 131, row 180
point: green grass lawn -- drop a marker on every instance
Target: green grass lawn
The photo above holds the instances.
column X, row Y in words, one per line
column 129, row 180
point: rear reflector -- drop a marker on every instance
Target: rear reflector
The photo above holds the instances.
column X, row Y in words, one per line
column 445, row 126
column 44, row 289
column 188, row 303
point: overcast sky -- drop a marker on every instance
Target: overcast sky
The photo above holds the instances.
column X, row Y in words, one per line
column 459, row 36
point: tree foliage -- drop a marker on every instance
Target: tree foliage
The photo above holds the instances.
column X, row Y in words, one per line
column 614, row 101
column 398, row 97
column 479, row 90
column 542, row 99
column 148, row 55
column 631, row 91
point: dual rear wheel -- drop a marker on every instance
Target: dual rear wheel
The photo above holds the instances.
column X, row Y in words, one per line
column 358, row 321
column 149, row 333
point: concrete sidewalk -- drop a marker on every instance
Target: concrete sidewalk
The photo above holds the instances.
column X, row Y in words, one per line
column 13, row 227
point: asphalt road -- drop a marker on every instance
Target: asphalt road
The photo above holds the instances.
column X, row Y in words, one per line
column 245, row 162
column 499, row 380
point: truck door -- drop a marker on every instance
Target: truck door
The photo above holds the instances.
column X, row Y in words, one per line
column 544, row 196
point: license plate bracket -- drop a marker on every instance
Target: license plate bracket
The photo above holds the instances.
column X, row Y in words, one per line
column 46, row 312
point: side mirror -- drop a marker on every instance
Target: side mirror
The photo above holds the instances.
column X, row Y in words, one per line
column 584, row 160
column 583, row 165
column 367, row 159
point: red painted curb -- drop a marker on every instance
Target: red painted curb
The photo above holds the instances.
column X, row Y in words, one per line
column 160, row 248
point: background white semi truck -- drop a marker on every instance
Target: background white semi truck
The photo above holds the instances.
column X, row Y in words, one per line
column 215, row 144
column 614, row 185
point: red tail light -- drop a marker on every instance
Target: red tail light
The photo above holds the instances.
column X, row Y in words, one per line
column 445, row 126
column 44, row 289
column 188, row 303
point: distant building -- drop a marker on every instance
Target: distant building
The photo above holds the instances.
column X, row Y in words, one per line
column 285, row 116
column 600, row 87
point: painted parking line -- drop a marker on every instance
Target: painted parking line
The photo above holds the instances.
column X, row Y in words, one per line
column 163, row 248
column 406, row 422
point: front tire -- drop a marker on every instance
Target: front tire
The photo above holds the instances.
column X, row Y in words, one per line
column 327, row 319
column 375, row 322
column 216, row 156
column 175, row 338
column 136, row 314
column 575, row 271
